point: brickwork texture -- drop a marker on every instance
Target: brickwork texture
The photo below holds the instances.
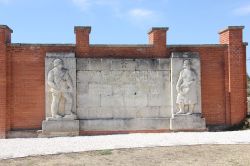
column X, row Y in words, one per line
column 22, row 87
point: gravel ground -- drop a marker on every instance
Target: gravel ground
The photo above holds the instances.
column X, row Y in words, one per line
column 12, row 148
column 195, row 155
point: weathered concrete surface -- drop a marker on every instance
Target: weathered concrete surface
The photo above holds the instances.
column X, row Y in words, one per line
column 60, row 126
column 70, row 64
column 187, row 122
column 177, row 62
column 122, row 112
column 22, row 134
column 106, row 83
column 122, row 94
column 118, row 89
column 186, row 92
column 124, row 124
column 53, row 128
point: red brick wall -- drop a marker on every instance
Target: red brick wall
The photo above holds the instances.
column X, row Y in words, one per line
column 223, row 76
column 212, row 81
column 3, row 85
column 236, row 72
column 82, row 40
column 5, row 37
column 27, row 96
column 27, row 63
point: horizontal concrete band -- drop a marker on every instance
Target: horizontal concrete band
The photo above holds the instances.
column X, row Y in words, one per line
column 117, row 45
column 111, row 64
column 83, row 132
column 125, row 124
column 90, row 133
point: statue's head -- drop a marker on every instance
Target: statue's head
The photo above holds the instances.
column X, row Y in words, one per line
column 58, row 63
column 187, row 64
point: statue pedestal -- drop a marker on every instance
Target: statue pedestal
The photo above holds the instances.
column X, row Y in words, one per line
column 57, row 128
column 184, row 122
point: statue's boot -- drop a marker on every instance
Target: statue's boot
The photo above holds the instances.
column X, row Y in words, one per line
column 189, row 113
column 180, row 112
column 57, row 116
column 70, row 116
column 54, row 117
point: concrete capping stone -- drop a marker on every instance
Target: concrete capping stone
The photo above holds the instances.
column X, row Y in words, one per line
column 40, row 44
column 196, row 45
column 157, row 28
column 121, row 45
column 231, row 28
column 185, row 55
column 6, row 27
column 60, row 54
column 117, row 45
column 136, row 64
column 88, row 28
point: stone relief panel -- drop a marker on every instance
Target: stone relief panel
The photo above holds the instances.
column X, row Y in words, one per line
column 60, row 83
column 128, row 88
column 185, row 86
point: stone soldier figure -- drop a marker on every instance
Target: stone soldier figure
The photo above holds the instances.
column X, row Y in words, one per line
column 187, row 89
column 61, row 86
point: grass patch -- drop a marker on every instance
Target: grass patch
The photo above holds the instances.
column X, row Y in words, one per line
column 105, row 152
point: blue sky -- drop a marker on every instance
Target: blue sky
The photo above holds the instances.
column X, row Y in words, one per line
column 123, row 21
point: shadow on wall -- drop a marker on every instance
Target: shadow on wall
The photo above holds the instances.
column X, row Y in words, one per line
column 248, row 106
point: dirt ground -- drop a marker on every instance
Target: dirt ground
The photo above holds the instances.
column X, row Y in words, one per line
column 200, row 155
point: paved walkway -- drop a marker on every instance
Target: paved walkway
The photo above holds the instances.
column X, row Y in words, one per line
column 21, row 147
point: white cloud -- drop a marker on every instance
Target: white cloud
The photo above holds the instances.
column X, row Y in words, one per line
column 139, row 13
column 87, row 4
column 142, row 17
column 121, row 10
column 83, row 4
column 244, row 10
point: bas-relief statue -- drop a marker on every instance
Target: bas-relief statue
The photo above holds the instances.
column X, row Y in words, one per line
column 186, row 89
column 61, row 87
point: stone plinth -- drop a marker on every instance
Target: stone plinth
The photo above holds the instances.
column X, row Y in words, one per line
column 54, row 128
column 187, row 123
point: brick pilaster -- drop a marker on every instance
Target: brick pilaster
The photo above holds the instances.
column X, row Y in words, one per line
column 158, row 38
column 82, row 40
column 235, row 68
column 5, row 37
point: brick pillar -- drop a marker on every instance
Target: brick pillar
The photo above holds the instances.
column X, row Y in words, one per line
column 158, row 38
column 235, row 69
column 5, row 37
column 82, row 40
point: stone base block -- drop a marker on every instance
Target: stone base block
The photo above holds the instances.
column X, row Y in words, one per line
column 22, row 134
column 56, row 128
column 187, row 123
column 124, row 124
